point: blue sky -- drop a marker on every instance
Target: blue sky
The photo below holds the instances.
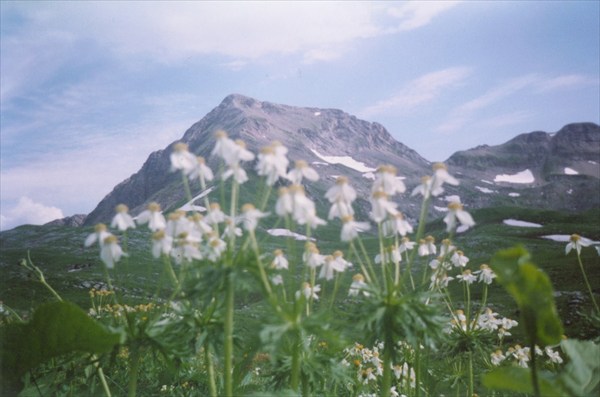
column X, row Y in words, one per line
column 90, row 89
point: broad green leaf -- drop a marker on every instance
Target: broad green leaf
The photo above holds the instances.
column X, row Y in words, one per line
column 517, row 379
column 57, row 328
column 582, row 373
column 531, row 289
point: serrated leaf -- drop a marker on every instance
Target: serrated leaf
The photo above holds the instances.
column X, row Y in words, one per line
column 530, row 287
column 517, row 379
column 56, row 328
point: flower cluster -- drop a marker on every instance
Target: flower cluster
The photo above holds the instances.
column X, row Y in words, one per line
column 522, row 355
column 368, row 364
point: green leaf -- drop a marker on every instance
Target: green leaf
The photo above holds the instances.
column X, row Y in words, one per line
column 57, row 328
column 582, row 374
column 531, row 289
column 517, row 379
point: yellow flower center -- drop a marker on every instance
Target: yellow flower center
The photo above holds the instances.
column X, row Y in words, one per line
column 122, row 208
column 301, row 164
column 220, row 134
column 358, row 278
column 180, row 147
column 154, row 207
column 100, row 227
column 341, row 180
column 389, row 169
column 439, row 166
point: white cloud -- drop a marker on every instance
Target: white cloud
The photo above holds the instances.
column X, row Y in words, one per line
column 466, row 112
column 27, row 211
column 568, row 81
column 415, row 14
column 419, row 91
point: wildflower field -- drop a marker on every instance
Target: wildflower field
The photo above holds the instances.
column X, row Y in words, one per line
column 246, row 289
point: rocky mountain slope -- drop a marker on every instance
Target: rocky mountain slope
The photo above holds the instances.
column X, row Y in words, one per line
column 332, row 141
column 544, row 170
column 558, row 171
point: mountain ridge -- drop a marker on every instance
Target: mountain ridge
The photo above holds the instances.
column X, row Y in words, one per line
column 314, row 134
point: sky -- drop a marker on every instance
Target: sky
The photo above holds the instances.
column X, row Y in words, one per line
column 90, row 89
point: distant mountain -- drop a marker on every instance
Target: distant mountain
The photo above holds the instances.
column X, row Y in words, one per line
column 73, row 221
column 334, row 142
column 558, row 171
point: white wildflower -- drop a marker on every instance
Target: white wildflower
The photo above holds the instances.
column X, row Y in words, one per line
column 122, row 220
column 387, row 181
column 153, row 217
column 182, row 159
column 302, row 170
column 456, row 212
column 250, row 216
column 100, row 233
column 201, row 171
column 279, row 261
column 161, row 244
column 351, row 228
column 381, row 207
column 110, row 252
column 576, row 242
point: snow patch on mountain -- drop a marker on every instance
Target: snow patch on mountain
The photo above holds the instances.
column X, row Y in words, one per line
column 346, row 161
column 570, row 171
column 525, row 176
column 514, row 194
column 485, row 190
column 518, row 223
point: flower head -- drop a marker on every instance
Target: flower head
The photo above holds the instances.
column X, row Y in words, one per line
column 330, row 265
column 111, row 252
column 427, row 246
column 122, row 220
column 351, row 228
column 309, row 291
column 441, row 176
column 459, row 259
column 250, row 216
column 182, row 159
column 153, row 217
column 467, row 277
column 341, row 191
column 397, row 225
column 387, row 181
column 485, row 274
column 381, row 207
column 279, row 261
column 201, row 170
column 311, row 256
column 300, row 171
column 456, row 212
column 272, row 162
column 576, row 242
column 358, row 285
column 100, row 233
column 161, row 244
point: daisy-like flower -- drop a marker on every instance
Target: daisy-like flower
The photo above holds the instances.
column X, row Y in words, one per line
column 177, row 223
column 341, row 191
column 424, row 189
column 302, row 170
column 215, row 248
column 397, row 225
column 576, row 242
column 441, row 176
column 497, row 357
column 488, row 321
column 553, row 356
column 446, row 248
column 485, row 274
column 277, row 279
column 507, row 323
column 231, row 229
column 186, row 248
column 459, row 259
column 161, row 244
column 122, row 220
column 338, row 256
column 358, row 285
column 304, row 209
column 439, row 263
column 381, row 207
column 391, row 255
column 309, row 291
column 311, row 256
column 241, row 153
column 182, row 159
column 215, row 215
column 387, row 181
column 237, row 172
column 279, row 261
column 351, row 228
column 201, row 171
column 153, row 217
column 250, row 216
column 456, row 212
column 285, row 203
column 199, row 227
column 330, row 265
column 224, row 147
column 427, row 246
column 366, row 375
column 406, row 245
column 100, row 233
column 111, row 252
column 522, row 355
column 340, row 209
column 272, row 162
column 467, row 277
column 440, row 279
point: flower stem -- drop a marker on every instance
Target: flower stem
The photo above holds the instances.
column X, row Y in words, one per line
column 228, row 349
column 296, row 369
column 534, row 377
column 134, row 365
column 587, row 283
column 471, row 391
column 211, row 372
column 386, row 384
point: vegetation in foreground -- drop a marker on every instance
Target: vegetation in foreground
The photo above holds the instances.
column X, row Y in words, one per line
column 223, row 311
